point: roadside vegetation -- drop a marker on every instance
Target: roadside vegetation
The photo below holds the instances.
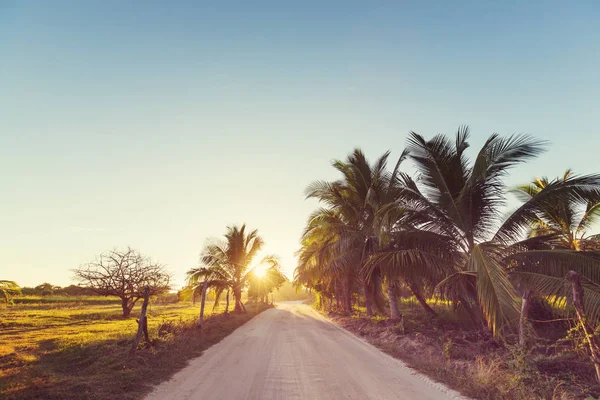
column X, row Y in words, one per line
column 76, row 350
column 508, row 300
column 77, row 342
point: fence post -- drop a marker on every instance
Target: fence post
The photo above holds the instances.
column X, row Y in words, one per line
column 142, row 323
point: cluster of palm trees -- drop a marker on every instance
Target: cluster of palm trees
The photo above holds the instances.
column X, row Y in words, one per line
column 441, row 232
column 228, row 265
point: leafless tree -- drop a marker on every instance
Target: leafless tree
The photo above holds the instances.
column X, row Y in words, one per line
column 124, row 274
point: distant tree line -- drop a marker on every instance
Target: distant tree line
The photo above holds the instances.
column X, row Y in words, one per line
column 48, row 289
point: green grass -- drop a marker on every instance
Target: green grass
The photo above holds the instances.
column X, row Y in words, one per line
column 59, row 349
column 65, row 299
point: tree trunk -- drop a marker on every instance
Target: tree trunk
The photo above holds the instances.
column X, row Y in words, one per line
column 227, row 302
column 202, row 301
column 368, row 298
column 142, row 323
column 523, row 323
column 337, row 293
column 475, row 317
column 592, row 340
column 126, row 308
column 347, row 299
column 422, row 301
column 377, row 291
column 237, row 297
column 394, row 311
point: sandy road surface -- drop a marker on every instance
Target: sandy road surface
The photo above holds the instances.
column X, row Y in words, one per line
column 292, row 352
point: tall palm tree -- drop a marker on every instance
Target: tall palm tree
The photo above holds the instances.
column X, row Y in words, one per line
column 451, row 210
column 229, row 261
column 9, row 289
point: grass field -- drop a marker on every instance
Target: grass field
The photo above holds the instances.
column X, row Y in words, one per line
column 75, row 348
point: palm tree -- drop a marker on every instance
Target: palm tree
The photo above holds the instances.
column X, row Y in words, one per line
column 342, row 235
column 567, row 223
column 558, row 228
column 227, row 263
column 8, row 289
column 450, row 212
column 261, row 286
column 213, row 277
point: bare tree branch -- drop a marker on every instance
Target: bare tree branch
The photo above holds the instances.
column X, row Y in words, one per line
column 124, row 274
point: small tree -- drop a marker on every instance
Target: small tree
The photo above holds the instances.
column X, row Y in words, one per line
column 9, row 289
column 46, row 289
column 124, row 274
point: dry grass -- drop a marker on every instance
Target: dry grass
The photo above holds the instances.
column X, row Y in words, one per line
column 79, row 349
column 470, row 361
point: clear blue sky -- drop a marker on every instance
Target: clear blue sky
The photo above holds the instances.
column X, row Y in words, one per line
column 156, row 125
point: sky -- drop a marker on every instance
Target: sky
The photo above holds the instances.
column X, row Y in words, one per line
column 157, row 124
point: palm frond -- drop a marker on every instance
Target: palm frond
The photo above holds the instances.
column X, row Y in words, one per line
column 574, row 189
column 496, row 294
column 559, row 290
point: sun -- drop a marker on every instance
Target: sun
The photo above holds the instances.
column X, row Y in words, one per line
column 261, row 270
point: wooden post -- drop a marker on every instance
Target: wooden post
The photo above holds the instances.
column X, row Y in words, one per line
column 204, row 287
column 142, row 323
column 594, row 344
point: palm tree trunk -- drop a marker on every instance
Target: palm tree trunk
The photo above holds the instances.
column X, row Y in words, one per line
column 475, row 317
column 204, row 287
column 237, row 297
column 337, row 293
column 592, row 340
column 368, row 298
column 227, row 302
column 347, row 295
column 422, row 301
column 378, row 296
column 525, row 306
column 394, row 311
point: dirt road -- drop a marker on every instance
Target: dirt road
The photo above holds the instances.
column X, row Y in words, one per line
column 292, row 352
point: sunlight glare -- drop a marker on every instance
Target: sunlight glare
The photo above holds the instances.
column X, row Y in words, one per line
column 261, row 270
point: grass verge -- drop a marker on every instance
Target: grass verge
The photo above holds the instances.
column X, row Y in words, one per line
column 81, row 352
